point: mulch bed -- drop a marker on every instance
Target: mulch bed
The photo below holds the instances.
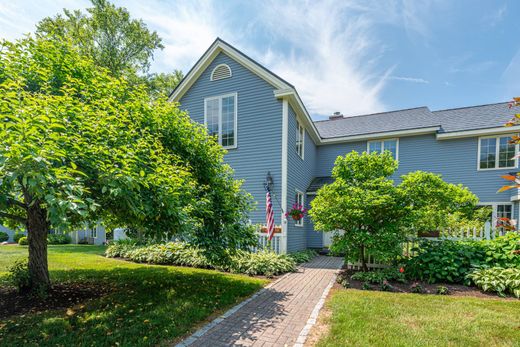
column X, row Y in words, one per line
column 398, row 287
column 61, row 296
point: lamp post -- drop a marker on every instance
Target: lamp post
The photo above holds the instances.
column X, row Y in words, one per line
column 269, row 182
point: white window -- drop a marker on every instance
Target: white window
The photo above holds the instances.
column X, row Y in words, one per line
column 501, row 210
column 93, row 233
column 220, row 117
column 299, row 200
column 496, row 153
column 220, row 72
column 300, row 139
column 380, row 146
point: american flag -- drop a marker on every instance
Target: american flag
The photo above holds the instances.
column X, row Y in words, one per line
column 269, row 216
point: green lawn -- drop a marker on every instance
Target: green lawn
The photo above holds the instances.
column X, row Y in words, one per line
column 150, row 305
column 369, row 318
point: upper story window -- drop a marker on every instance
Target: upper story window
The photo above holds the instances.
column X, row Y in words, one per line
column 496, row 153
column 220, row 116
column 300, row 139
column 220, row 72
column 380, row 146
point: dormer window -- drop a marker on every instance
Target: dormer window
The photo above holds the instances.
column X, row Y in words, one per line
column 221, row 72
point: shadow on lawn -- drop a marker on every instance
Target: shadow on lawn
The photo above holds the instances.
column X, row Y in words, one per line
column 145, row 306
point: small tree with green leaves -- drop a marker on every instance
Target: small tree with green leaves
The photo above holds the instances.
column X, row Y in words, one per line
column 364, row 204
column 81, row 145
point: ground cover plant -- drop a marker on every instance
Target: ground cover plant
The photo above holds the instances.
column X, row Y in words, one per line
column 265, row 262
column 370, row 318
column 498, row 280
column 105, row 302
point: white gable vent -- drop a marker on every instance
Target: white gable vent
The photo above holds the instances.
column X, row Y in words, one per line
column 220, row 72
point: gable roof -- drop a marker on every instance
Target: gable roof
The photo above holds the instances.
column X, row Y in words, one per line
column 408, row 119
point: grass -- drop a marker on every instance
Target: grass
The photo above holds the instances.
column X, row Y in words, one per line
column 150, row 305
column 370, row 318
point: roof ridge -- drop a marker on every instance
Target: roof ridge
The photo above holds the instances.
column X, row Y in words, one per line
column 372, row 114
column 473, row 106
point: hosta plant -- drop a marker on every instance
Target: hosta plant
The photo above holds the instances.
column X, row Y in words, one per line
column 498, row 280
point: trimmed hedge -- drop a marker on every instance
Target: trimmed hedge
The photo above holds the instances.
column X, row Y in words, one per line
column 58, row 239
column 3, row 236
column 23, row 241
column 181, row 254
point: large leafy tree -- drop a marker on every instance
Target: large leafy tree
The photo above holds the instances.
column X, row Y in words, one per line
column 375, row 215
column 364, row 204
column 81, row 145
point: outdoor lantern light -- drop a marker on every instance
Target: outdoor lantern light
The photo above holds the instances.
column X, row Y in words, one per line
column 268, row 184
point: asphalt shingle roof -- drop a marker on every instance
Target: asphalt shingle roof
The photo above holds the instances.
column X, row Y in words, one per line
column 457, row 119
column 319, row 182
column 413, row 118
column 475, row 117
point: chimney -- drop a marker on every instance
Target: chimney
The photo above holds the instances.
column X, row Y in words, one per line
column 336, row 115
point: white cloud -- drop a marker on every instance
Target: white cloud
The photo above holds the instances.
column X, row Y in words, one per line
column 509, row 79
column 409, row 79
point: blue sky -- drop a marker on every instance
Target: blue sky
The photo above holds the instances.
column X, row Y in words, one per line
column 351, row 56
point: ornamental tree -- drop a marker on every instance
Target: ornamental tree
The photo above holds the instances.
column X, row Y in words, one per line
column 80, row 145
column 364, row 204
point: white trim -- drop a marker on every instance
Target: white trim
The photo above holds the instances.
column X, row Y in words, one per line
column 497, row 153
column 383, row 135
column 219, row 98
column 472, row 133
column 217, row 47
column 495, row 212
column 382, row 141
column 302, row 139
column 211, row 78
column 297, row 191
column 285, row 140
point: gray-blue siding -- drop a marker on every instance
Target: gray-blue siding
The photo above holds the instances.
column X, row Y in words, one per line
column 300, row 173
column 455, row 160
column 259, row 133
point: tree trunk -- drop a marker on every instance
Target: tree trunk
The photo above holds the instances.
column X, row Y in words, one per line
column 37, row 230
column 362, row 256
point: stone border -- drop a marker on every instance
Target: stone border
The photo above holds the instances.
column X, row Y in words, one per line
column 192, row 338
column 300, row 341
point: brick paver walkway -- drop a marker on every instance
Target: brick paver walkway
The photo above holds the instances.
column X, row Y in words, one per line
column 277, row 315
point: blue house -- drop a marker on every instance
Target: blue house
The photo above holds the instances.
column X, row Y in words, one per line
column 263, row 123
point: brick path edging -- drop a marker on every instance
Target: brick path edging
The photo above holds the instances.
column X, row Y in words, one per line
column 192, row 338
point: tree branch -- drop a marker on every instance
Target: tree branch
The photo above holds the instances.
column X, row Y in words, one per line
column 15, row 202
column 13, row 217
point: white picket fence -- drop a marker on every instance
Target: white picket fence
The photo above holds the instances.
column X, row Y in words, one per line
column 484, row 233
column 263, row 243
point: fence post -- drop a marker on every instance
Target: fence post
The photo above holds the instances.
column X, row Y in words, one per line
column 487, row 230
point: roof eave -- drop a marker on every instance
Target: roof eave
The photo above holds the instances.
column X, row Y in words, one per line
column 381, row 135
column 478, row 132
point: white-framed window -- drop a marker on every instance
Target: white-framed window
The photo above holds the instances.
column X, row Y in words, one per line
column 220, row 72
column 300, row 139
column 220, row 117
column 299, row 199
column 500, row 210
column 380, row 146
column 496, row 152
column 93, row 232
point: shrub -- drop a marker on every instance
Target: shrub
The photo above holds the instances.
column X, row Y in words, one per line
column 19, row 275
column 503, row 251
column 23, row 241
column 379, row 276
column 58, row 239
column 417, row 288
column 3, row 236
column 303, row 256
column 17, row 236
column 497, row 280
column 179, row 253
column 445, row 261
column 442, row 290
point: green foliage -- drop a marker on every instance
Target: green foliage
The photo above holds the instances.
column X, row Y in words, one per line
column 379, row 276
column 303, row 256
column 3, row 236
column 162, row 84
column 178, row 253
column 442, row 290
column 497, row 280
column 366, row 286
column 23, row 241
column 417, row 288
column 17, row 236
column 107, row 35
column 58, row 239
column 86, row 146
column 445, row 261
column 503, row 251
column 433, row 203
column 18, row 275
column 363, row 203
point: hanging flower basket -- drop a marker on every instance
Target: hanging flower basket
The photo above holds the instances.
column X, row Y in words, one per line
column 297, row 212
